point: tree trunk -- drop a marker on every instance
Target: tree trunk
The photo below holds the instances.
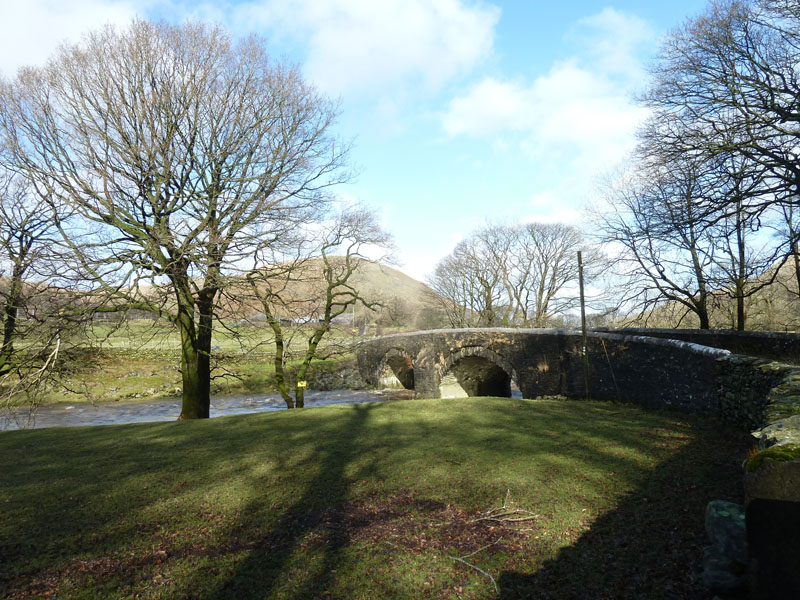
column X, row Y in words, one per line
column 195, row 369
column 280, row 358
column 702, row 314
column 10, row 311
column 740, row 315
column 742, row 272
column 300, row 386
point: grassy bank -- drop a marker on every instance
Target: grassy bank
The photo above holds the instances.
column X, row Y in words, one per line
column 368, row 501
column 142, row 361
column 113, row 374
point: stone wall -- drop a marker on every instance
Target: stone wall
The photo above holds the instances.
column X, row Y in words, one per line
column 652, row 372
column 772, row 493
column 659, row 373
column 744, row 385
column 783, row 347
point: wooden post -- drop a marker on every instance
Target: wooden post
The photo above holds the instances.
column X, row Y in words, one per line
column 584, row 350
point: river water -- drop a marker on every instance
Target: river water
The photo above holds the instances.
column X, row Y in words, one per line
column 116, row 413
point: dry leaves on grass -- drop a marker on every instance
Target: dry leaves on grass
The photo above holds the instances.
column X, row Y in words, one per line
column 416, row 525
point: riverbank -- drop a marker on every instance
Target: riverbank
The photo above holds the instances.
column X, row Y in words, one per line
column 124, row 374
column 81, row 414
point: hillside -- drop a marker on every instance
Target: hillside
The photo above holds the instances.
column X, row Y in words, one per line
column 404, row 301
column 401, row 302
column 381, row 282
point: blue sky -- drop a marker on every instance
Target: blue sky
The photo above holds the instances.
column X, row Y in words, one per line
column 461, row 112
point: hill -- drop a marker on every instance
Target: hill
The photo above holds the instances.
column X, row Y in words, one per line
column 398, row 301
column 405, row 300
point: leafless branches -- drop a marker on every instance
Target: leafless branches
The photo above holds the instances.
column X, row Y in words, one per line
column 716, row 169
column 183, row 155
column 314, row 287
column 511, row 276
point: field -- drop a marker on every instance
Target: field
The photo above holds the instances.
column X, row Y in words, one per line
column 469, row 498
column 140, row 360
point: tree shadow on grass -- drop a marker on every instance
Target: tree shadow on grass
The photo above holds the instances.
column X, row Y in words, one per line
column 253, row 520
column 650, row 546
column 265, row 539
column 301, row 551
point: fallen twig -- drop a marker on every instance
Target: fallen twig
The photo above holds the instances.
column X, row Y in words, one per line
column 508, row 517
column 504, row 514
column 478, row 569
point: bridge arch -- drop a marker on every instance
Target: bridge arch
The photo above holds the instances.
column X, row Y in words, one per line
column 397, row 363
column 651, row 371
column 479, row 372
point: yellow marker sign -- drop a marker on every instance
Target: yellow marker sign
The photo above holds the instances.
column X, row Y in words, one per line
column 301, row 384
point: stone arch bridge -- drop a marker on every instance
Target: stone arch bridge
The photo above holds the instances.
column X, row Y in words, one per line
column 654, row 370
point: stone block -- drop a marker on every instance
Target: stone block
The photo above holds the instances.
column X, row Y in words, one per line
column 783, row 431
column 773, row 480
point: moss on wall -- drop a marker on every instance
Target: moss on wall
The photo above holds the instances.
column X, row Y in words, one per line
column 780, row 453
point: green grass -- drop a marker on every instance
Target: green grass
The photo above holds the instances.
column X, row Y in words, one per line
column 367, row 501
column 113, row 374
column 140, row 360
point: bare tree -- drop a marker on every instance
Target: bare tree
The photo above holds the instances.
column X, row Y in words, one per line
column 663, row 245
column 723, row 99
column 545, row 265
column 511, row 275
column 38, row 317
column 790, row 230
column 315, row 287
column 691, row 228
column 184, row 154
column 468, row 285
column 743, row 264
column 25, row 222
column 729, row 78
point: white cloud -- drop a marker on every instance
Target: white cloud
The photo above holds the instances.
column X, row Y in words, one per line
column 352, row 46
column 574, row 121
column 363, row 46
column 615, row 39
column 31, row 30
column 568, row 116
column 550, row 207
column 489, row 108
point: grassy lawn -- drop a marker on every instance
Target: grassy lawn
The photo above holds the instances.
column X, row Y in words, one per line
column 368, row 501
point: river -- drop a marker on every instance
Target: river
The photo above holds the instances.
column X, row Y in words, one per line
column 116, row 413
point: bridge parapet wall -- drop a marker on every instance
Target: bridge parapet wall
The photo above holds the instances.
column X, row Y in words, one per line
column 649, row 371
column 783, row 347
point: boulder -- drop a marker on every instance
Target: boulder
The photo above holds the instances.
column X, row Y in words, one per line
column 774, row 479
column 725, row 524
